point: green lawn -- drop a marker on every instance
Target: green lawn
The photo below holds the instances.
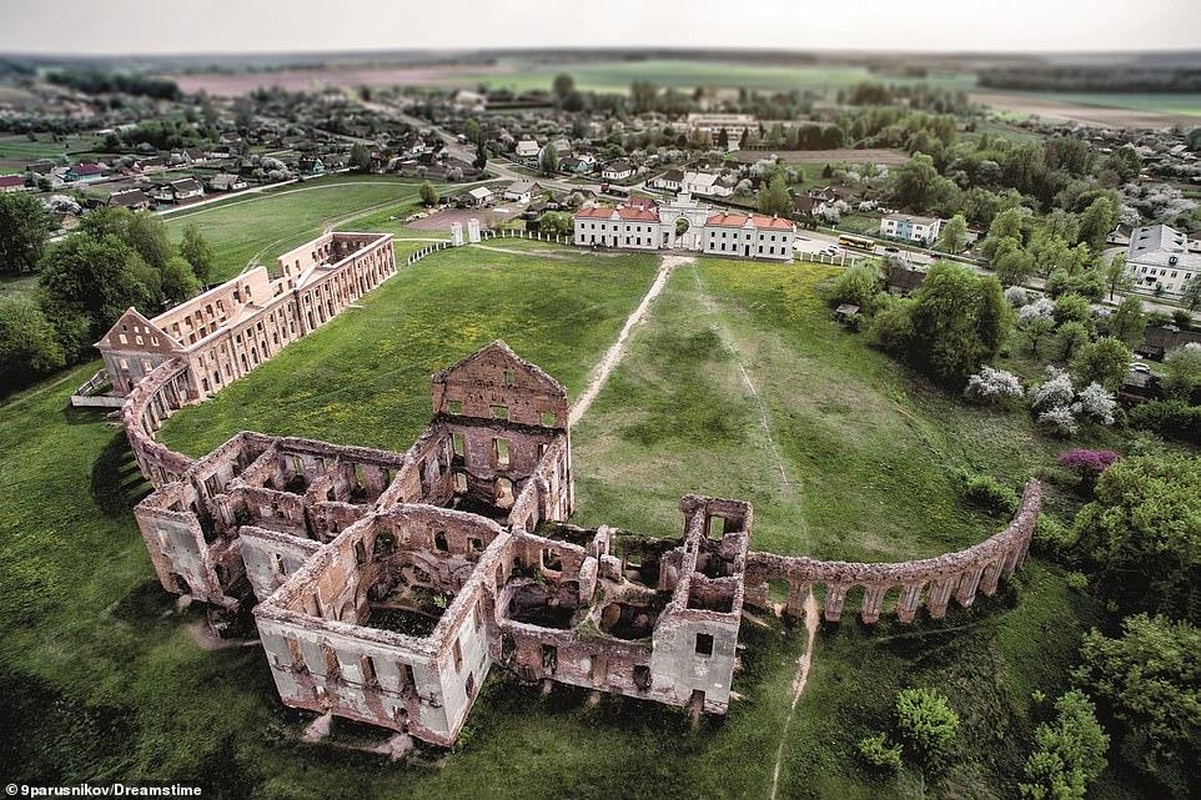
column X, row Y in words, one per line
column 365, row 379
column 17, row 151
column 262, row 227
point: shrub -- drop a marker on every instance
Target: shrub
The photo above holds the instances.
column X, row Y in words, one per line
column 1095, row 403
column 1069, row 751
column 1172, row 419
column 1042, row 308
column 877, row 752
column 987, row 493
column 1053, row 393
column 927, row 724
column 1088, row 463
column 1016, row 296
column 1059, row 421
column 1053, row 538
column 991, row 386
column 860, row 285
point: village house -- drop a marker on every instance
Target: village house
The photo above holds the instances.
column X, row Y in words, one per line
column 11, row 183
column 911, row 228
column 479, row 196
column 527, row 149
column 226, row 182
column 618, row 171
column 672, row 180
column 85, row 173
column 522, row 191
column 133, row 199
column 186, row 189
column 706, row 184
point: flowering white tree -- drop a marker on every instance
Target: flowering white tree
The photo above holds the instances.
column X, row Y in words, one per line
column 1096, row 404
column 1053, row 393
column 1059, row 420
column 991, row 385
column 1043, row 308
column 1016, row 296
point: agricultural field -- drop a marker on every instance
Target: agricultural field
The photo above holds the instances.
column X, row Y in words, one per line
column 260, row 227
column 17, row 151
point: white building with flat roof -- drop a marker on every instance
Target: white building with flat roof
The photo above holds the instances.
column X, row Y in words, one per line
column 911, row 228
column 1159, row 260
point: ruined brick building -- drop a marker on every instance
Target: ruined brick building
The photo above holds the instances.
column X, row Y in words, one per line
column 385, row 585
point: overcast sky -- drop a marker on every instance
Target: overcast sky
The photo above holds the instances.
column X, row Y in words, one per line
column 130, row 27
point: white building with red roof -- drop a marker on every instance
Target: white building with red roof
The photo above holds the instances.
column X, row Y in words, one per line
column 636, row 227
column 749, row 236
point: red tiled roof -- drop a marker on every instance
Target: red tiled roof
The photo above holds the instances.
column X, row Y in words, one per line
column 724, row 220
column 11, row 180
column 87, row 169
column 623, row 212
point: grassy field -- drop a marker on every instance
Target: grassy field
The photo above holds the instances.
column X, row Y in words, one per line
column 262, row 227
column 616, row 76
column 17, row 151
column 738, row 384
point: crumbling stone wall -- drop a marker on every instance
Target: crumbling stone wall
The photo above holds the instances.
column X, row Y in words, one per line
column 932, row 580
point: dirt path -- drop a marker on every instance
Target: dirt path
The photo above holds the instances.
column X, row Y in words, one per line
column 558, row 255
column 614, row 354
column 798, row 685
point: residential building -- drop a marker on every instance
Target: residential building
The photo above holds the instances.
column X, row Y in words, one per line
column 522, row 191
column 618, row 171
column 911, row 228
column 527, row 148
column 11, row 183
column 133, row 199
column 480, row 195
column 186, row 189
column 226, row 182
column 706, row 184
column 749, row 236
column 1159, row 260
column 85, row 173
column 672, row 180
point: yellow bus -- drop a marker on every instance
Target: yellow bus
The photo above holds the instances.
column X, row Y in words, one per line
column 856, row 242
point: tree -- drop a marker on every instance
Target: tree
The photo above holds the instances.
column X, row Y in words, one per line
column 1014, row 267
column 953, row 237
column 481, row 155
column 1035, row 331
column 429, row 195
column 1149, row 678
column 471, row 129
column 1118, row 278
column 1128, row 322
column 917, row 184
column 955, row 322
column 859, row 285
column 196, row 250
column 1142, row 533
column 1069, row 751
column 1190, row 293
column 927, row 725
column 1182, row 373
column 644, row 95
column 93, row 281
column 1097, row 221
column 1104, row 361
column 548, row 160
column 1071, row 307
column 555, row 223
column 24, row 225
column 563, row 86
column 1069, row 339
column 360, row 157
column 29, row 345
column 178, row 280
column 774, row 199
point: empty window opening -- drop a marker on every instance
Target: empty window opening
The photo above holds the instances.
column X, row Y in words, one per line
column 460, row 481
column 470, row 687
column 551, row 560
column 360, row 552
column 550, row 657
column 475, row 614
column 547, row 418
column 716, row 527
column 458, row 654
column 504, row 493
column 502, row 452
column 277, row 565
column 474, row 544
column 454, row 406
column 297, row 658
column 458, row 444
column 642, row 677
column 440, row 542
column 333, row 671
column 407, row 672
column 367, row 666
column 500, row 412
column 704, row 644
column 509, row 378
column 385, row 544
